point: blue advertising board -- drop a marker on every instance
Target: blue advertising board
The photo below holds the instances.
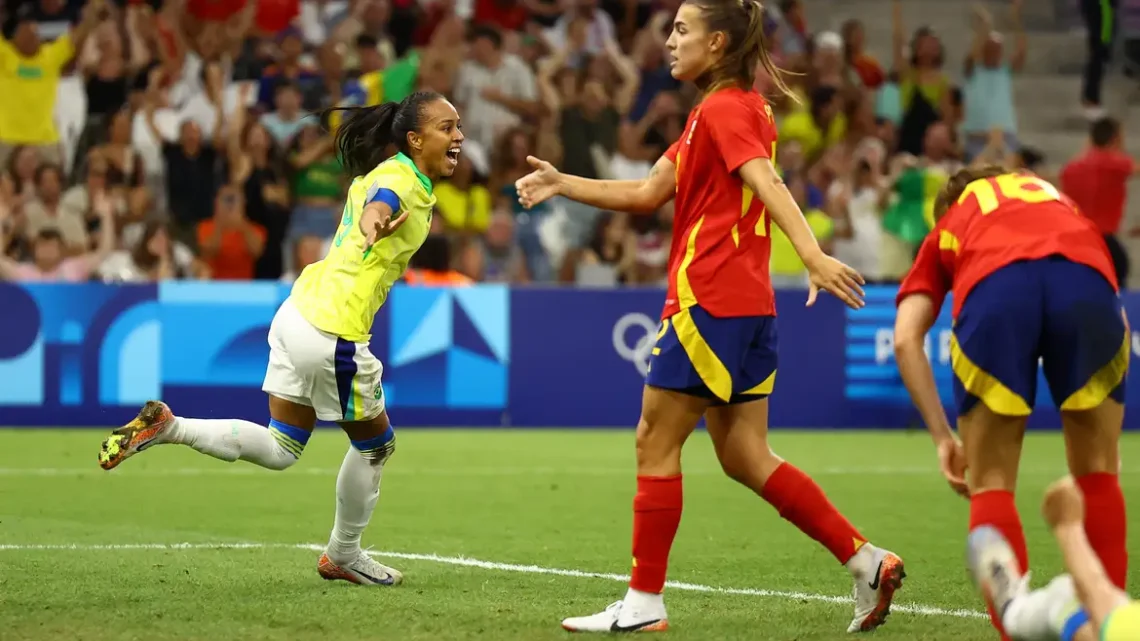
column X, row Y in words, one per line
column 489, row 355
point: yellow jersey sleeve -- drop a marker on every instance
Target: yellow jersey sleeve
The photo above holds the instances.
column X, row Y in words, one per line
column 58, row 53
column 1123, row 624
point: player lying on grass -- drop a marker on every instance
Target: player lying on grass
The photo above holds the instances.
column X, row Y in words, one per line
column 320, row 366
column 715, row 354
column 1032, row 281
column 1083, row 605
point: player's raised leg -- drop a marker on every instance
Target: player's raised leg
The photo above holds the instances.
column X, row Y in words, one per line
column 357, row 491
column 740, row 435
column 276, row 447
column 667, row 419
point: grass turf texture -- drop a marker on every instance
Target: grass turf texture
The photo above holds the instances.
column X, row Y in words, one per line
column 553, row 499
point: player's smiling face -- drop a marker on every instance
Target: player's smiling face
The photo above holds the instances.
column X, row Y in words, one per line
column 439, row 139
column 692, row 49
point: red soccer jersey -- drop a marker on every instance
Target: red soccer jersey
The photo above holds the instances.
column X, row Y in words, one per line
column 721, row 245
column 998, row 221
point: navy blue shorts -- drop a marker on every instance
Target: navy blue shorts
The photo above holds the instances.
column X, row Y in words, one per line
column 726, row 360
column 1051, row 311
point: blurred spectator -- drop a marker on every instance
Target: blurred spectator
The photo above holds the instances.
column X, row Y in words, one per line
column 862, row 65
column 464, row 204
column 256, row 164
column 610, row 256
column 290, row 69
column 584, row 23
column 989, row 83
column 1100, row 29
column 21, row 170
column 817, row 125
column 921, row 81
column 124, row 164
column 230, row 243
column 498, row 257
column 306, row 251
column 431, row 265
column 318, row 185
column 47, row 210
column 154, row 256
column 855, row 209
column 787, row 270
column 1097, row 180
column 510, row 165
column 29, row 77
column 286, row 119
column 494, row 89
column 49, row 257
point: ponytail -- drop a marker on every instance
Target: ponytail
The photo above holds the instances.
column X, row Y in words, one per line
column 742, row 22
column 363, row 139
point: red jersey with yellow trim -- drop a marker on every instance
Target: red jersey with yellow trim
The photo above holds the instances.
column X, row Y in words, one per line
column 721, row 245
column 998, row 221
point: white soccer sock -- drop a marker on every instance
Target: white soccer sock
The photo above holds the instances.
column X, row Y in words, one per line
column 357, row 490
column 231, row 439
column 1040, row 615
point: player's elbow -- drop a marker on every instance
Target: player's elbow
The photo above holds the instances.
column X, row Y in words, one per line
column 907, row 341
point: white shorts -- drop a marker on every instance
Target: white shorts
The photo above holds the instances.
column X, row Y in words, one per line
column 339, row 379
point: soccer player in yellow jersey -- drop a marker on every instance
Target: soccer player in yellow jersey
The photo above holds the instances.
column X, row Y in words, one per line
column 1083, row 605
column 319, row 363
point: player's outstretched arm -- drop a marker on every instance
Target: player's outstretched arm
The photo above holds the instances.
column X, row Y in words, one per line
column 915, row 317
column 635, row 196
column 1064, row 511
column 824, row 271
column 378, row 221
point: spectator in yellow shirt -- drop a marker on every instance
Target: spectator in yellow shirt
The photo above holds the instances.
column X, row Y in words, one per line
column 29, row 78
column 787, row 270
column 817, row 126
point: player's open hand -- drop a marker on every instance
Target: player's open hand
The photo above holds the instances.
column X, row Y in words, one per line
column 539, row 185
column 1063, row 503
column 383, row 228
column 841, row 281
column 952, row 464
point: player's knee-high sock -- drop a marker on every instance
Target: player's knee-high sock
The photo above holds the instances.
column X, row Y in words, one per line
column 231, row 439
column 1105, row 523
column 357, row 490
column 996, row 508
column 802, row 502
column 656, row 515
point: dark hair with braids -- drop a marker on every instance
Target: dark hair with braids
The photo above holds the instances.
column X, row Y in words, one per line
column 742, row 22
column 363, row 138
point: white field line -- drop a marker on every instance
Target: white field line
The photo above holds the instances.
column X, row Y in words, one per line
column 910, row 608
column 250, row 470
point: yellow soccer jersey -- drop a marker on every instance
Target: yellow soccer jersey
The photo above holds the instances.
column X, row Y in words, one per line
column 342, row 293
column 1123, row 624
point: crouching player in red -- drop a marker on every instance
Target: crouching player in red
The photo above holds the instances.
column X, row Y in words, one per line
column 1032, row 281
column 715, row 355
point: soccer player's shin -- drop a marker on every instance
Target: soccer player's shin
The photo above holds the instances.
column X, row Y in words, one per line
column 656, row 516
column 996, row 508
column 231, row 439
column 357, row 491
column 1105, row 523
column 802, row 502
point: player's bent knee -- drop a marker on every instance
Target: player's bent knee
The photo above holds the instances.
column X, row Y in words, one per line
column 289, row 444
column 377, row 449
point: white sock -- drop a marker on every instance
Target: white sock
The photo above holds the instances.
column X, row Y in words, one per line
column 231, row 439
column 357, row 490
column 642, row 602
column 1041, row 614
column 860, row 565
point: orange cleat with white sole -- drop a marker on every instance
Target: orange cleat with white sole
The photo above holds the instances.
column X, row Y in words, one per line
column 132, row 438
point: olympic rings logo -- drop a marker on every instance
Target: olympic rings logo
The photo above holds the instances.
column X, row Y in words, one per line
column 642, row 329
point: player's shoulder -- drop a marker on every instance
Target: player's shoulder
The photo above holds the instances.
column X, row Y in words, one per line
column 734, row 101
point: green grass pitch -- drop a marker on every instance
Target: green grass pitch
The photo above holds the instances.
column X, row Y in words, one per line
column 500, row 534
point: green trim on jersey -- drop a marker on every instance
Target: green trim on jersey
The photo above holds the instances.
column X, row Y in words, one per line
column 424, row 180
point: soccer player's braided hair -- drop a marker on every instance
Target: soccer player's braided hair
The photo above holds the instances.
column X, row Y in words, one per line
column 742, row 22
column 363, row 139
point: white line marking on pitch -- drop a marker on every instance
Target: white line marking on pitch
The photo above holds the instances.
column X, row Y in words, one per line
column 248, row 470
column 913, row 608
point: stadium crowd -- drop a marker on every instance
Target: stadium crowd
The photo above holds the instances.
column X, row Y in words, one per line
column 175, row 140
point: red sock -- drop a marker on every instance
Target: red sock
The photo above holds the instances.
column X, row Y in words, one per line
column 799, row 500
column 1105, row 524
column 656, row 515
column 997, row 509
